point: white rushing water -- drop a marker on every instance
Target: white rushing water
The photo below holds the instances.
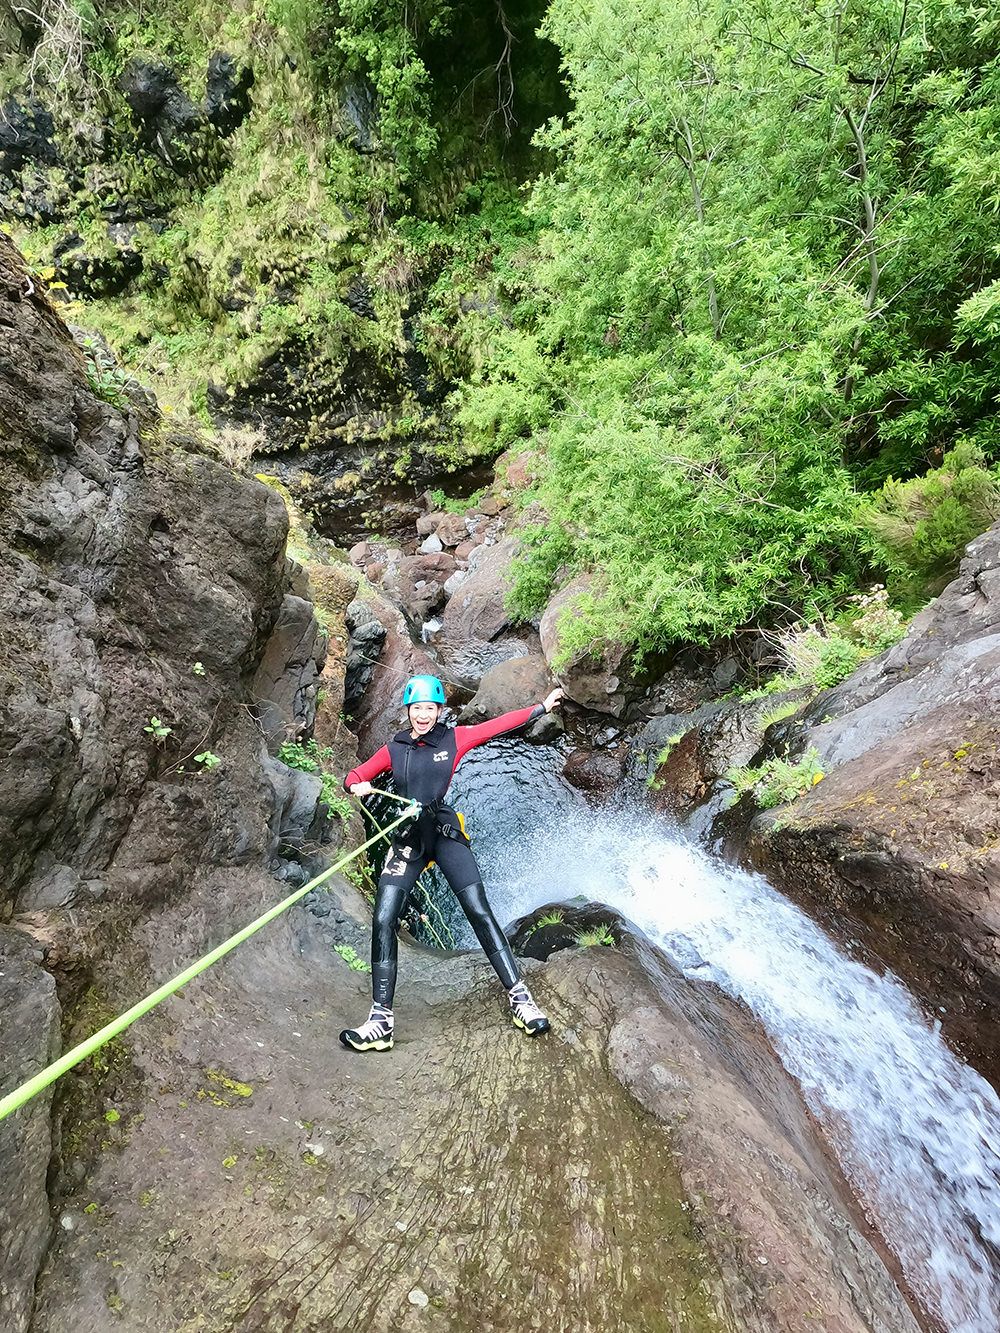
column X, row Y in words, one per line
column 916, row 1130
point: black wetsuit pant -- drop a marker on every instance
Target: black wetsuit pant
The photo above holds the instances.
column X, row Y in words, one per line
column 403, row 866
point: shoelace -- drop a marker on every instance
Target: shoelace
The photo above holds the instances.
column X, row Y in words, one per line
column 524, row 1005
column 378, row 1024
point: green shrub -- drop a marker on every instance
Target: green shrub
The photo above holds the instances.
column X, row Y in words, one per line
column 922, row 526
column 776, row 781
column 310, row 757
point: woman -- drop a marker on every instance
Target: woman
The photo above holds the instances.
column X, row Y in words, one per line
column 423, row 760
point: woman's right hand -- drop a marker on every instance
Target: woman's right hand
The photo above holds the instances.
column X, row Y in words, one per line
column 361, row 789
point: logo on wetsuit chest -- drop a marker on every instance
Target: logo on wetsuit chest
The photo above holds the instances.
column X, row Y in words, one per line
column 441, row 756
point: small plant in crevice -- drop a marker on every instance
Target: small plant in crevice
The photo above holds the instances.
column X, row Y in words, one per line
column 352, row 960
column 158, row 729
column 776, row 781
column 107, row 381
column 780, row 712
column 554, row 917
column 208, row 760
column 653, row 782
column 596, row 937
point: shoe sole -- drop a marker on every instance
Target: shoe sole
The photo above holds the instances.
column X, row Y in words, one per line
column 544, row 1026
column 380, row 1044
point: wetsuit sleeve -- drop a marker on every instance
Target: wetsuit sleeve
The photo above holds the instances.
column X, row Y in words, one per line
column 467, row 738
column 370, row 769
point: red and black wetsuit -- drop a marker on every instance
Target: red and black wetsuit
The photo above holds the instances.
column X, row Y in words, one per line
column 422, row 768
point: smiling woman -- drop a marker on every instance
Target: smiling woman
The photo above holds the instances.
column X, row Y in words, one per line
column 422, row 761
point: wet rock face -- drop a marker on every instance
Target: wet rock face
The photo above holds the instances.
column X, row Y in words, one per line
column 139, row 585
column 30, row 1042
column 898, row 843
column 666, row 1194
column 140, row 581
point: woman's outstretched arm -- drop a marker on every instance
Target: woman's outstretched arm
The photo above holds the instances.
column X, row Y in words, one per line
column 467, row 738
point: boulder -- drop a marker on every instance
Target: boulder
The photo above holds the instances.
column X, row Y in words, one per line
column 509, row 685
column 476, row 621
column 452, row 529
column 418, row 584
column 431, row 544
column 427, row 523
column 595, row 679
column 519, row 470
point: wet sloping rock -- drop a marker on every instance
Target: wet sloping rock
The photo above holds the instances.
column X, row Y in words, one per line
column 30, row 1033
column 900, row 843
column 511, row 1184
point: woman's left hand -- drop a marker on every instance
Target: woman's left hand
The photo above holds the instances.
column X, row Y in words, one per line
column 553, row 700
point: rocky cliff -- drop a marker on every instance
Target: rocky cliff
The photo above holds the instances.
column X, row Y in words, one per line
column 141, row 582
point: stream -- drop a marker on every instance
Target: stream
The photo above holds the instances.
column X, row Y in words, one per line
column 915, row 1129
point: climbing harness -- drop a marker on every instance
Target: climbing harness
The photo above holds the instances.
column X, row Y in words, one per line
column 16, row 1099
column 428, row 905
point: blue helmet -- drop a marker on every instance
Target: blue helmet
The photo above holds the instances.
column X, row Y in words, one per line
column 423, row 690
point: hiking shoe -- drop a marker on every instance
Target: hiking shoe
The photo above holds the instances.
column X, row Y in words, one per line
column 375, row 1035
column 525, row 1012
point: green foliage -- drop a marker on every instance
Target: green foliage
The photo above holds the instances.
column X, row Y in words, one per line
column 208, row 760
column 310, row 757
column 764, row 279
column 352, row 960
column 157, row 729
column 596, row 937
column 923, row 525
column 106, row 379
column 776, row 781
column 780, row 712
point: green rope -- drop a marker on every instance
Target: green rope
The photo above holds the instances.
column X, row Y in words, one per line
column 16, row 1099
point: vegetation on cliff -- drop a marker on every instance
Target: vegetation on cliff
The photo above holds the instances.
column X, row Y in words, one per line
column 739, row 292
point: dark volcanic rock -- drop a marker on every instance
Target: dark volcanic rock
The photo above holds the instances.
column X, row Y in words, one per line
column 227, row 92
column 163, row 113
column 26, row 135
column 139, row 584
column 30, row 1042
